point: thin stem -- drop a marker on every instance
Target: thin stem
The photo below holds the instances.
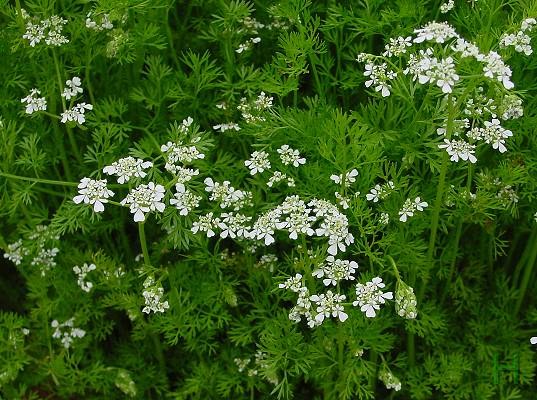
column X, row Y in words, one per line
column 530, row 265
column 143, row 243
column 38, row 180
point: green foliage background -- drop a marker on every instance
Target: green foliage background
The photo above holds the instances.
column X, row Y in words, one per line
column 172, row 59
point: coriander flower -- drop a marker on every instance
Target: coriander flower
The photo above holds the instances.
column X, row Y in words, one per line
column 15, row 252
column 369, row 297
column 76, row 113
column 335, row 270
column 459, row 149
column 378, row 77
column 72, row 89
column 438, row 32
column 184, row 200
column 258, row 162
column 533, row 340
column 293, row 283
column 290, row 156
column 34, row 103
column 125, row 168
column 205, row 223
column 350, row 177
column 496, row 69
column 81, row 273
column 143, row 199
column 93, row 192
column 397, row 46
column 329, row 304
column 410, row 207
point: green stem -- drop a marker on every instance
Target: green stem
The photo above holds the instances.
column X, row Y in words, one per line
column 38, row 180
column 141, row 233
column 527, row 271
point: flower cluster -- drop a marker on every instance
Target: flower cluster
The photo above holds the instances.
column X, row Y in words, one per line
column 447, row 6
column 335, row 270
column 380, row 192
column 410, row 207
column 258, row 364
column 290, row 156
column 389, row 379
column 397, row 46
column 93, row 192
column 350, row 178
column 153, row 293
column 44, row 241
column 48, row 29
column 405, row 301
column 520, row 40
column 258, row 162
column 143, row 199
column 278, row 176
column 252, row 111
column 248, row 44
column 378, row 77
column 184, row 200
column 126, row 168
column 81, row 273
column 66, row 332
column 227, row 126
column 227, row 195
column 73, row 88
column 459, row 149
column 370, row 296
column 15, row 252
column 103, row 24
column 33, row 102
column 329, row 305
column 76, row 113
column 493, row 133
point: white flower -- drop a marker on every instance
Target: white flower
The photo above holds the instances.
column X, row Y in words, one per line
column 72, row 89
column 153, row 294
column 205, row 223
column 76, row 113
column 34, row 103
column 495, row 68
column 66, row 332
column 378, row 77
column 329, row 305
column 105, row 22
column 125, row 168
column 93, row 192
column 409, row 207
column 258, row 162
column 184, row 200
column 227, row 127
column 293, row 283
column 438, row 32
column 397, row 46
column 459, row 149
column 533, row 340
column 528, row 24
column 290, row 156
column 335, row 270
column 15, row 252
column 82, row 272
column 350, row 177
column 448, row 6
column 143, row 199
column 369, row 297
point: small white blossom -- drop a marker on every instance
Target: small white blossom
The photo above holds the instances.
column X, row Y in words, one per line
column 328, row 305
column 76, row 113
column 409, row 207
column 258, row 162
column 72, row 88
column 227, row 127
column 143, row 199
column 397, row 46
column 93, row 192
column 66, row 332
column 184, row 200
column 153, row 293
column 81, row 273
column 459, row 149
column 293, row 283
column 370, row 296
column 335, row 270
column 290, row 156
column 495, row 68
column 205, row 223
column 34, row 103
column 378, row 77
column 438, row 32
column 447, row 6
column 125, row 168
column 15, row 252
column 350, row 177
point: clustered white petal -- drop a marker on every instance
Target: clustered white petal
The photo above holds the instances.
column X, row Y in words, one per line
column 48, row 29
column 76, row 113
column 370, row 296
column 335, row 270
column 81, row 273
column 104, row 24
column 126, row 168
column 329, row 304
column 66, row 332
column 378, row 77
column 258, row 162
column 410, row 207
column 350, row 177
column 153, row 293
column 72, row 88
column 143, row 199
column 15, row 252
column 459, row 149
column 380, row 192
column 184, row 200
column 290, row 156
column 34, row 103
column 93, row 192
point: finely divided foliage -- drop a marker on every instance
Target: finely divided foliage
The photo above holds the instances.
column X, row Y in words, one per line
column 221, row 183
